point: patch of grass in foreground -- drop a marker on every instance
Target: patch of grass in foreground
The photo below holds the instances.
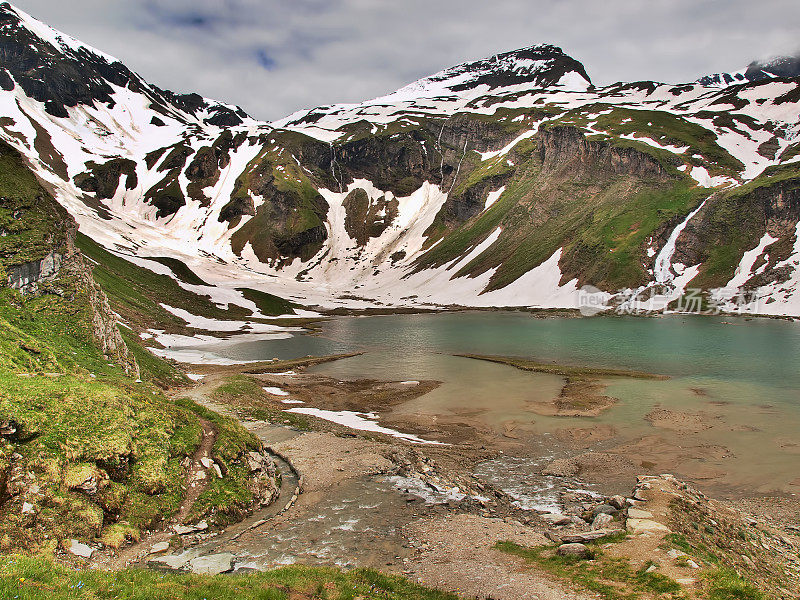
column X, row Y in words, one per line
column 723, row 583
column 38, row 579
column 610, row 578
column 225, row 500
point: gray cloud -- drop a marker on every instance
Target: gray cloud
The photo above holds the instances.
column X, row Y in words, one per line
column 274, row 57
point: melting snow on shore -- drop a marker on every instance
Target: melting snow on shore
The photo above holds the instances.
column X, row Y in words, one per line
column 275, row 391
column 360, row 422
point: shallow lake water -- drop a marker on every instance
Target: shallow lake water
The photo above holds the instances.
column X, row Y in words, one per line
column 741, row 375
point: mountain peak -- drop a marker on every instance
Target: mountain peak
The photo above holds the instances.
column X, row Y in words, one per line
column 539, row 66
column 758, row 70
column 61, row 72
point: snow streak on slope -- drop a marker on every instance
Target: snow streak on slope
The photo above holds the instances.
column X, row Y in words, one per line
column 663, row 265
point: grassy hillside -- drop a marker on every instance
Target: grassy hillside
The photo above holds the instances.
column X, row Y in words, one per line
column 87, row 451
column 601, row 219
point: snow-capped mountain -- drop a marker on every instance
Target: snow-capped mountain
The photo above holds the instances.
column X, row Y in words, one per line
column 541, row 66
column 499, row 182
column 781, row 66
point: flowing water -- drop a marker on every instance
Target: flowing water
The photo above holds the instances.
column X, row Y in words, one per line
column 740, row 375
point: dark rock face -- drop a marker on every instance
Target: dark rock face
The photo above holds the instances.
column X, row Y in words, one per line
column 459, row 209
column 367, row 220
column 27, row 276
column 167, row 195
column 104, row 179
column 296, row 244
column 237, row 208
column 399, row 165
column 204, row 170
column 567, row 147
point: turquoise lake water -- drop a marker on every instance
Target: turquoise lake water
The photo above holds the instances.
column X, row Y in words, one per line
column 741, row 375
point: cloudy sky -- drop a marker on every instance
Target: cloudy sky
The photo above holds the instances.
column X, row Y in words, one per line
column 273, row 57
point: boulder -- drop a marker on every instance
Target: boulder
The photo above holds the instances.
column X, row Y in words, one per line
column 556, row 519
column 638, row 513
column 604, row 509
column 159, row 547
column 257, row 461
column 573, row 549
column 645, row 526
column 602, row 521
column 79, row 549
column 213, row 564
column 617, row 502
column 587, row 536
column 186, row 529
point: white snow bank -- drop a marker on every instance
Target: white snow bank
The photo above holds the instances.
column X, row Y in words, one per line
column 198, row 322
column 704, row 179
column 360, row 422
column 493, row 197
column 745, row 269
column 275, row 391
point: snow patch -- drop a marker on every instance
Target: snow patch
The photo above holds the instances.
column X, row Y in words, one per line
column 493, row 197
column 360, row 422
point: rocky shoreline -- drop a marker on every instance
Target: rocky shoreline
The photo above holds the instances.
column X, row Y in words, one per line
column 422, row 511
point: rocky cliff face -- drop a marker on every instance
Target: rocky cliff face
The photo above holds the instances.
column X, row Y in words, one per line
column 737, row 222
column 39, row 256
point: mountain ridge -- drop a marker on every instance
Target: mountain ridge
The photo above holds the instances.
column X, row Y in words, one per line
column 504, row 181
column 758, row 70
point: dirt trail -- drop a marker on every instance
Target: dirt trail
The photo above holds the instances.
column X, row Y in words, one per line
column 199, row 471
column 196, row 481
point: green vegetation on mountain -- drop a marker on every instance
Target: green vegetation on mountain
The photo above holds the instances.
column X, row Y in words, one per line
column 602, row 220
column 269, row 304
column 136, row 293
column 180, row 270
column 30, row 224
column 663, row 128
